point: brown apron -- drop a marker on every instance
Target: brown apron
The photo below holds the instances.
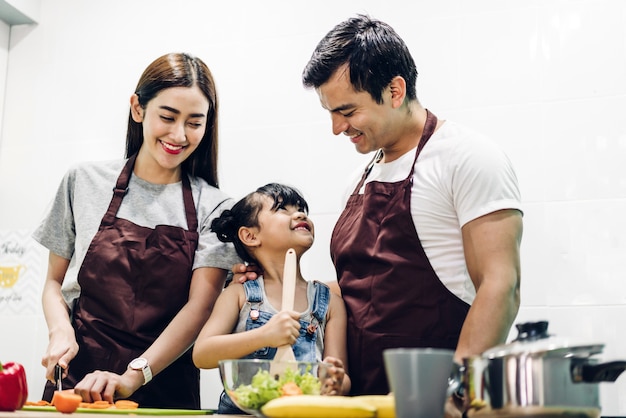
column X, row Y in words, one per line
column 134, row 280
column 392, row 294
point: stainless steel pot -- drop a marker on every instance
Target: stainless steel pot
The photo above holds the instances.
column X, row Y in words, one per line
column 538, row 372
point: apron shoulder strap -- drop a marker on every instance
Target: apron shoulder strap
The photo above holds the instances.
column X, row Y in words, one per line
column 367, row 170
column 119, row 191
column 190, row 208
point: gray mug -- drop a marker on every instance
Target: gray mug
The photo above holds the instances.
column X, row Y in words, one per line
column 418, row 378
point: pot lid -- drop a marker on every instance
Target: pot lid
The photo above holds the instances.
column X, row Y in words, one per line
column 533, row 339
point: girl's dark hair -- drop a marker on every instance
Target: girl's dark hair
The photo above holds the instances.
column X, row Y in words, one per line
column 246, row 213
column 180, row 70
column 374, row 52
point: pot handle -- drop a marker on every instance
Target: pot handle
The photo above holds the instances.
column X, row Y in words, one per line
column 455, row 381
column 593, row 373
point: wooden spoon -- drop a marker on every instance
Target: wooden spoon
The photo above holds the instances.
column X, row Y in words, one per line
column 285, row 352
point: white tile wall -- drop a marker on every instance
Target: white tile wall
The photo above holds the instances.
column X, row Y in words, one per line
column 545, row 78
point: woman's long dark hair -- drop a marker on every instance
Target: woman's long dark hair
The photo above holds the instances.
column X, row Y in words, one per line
column 180, row 70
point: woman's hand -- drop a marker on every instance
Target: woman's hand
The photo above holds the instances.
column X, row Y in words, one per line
column 62, row 348
column 333, row 381
column 62, row 345
column 244, row 272
column 107, row 386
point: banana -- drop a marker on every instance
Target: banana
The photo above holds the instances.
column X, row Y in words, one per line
column 385, row 404
column 318, row 406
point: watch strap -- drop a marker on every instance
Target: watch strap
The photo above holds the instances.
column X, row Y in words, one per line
column 145, row 369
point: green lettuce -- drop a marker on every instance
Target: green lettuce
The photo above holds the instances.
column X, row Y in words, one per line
column 264, row 387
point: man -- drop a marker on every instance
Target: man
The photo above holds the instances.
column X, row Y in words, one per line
column 427, row 249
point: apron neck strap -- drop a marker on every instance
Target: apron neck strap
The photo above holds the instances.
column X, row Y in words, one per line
column 121, row 188
column 429, row 128
column 190, row 208
column 119, row 191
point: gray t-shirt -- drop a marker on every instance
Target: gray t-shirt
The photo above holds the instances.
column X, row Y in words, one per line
column 84, row 195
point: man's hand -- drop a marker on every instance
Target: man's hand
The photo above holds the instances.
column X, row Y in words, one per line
column 453, row 408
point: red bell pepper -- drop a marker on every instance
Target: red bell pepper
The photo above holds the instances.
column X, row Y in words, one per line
column 13, row 387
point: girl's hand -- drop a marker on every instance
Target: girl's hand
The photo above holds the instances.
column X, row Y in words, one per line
column 282, row 329
column 333, row 379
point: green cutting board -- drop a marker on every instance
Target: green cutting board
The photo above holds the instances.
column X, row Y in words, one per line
column 136, row 411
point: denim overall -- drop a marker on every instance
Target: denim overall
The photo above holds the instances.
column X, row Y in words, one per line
column 311, row 328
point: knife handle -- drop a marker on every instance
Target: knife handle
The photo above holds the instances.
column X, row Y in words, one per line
column 58, row 377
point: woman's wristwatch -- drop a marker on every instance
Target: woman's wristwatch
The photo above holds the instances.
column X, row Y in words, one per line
column 141, row 364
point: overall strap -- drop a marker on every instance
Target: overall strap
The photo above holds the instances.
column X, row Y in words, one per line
column 320, row 302
column 254, row 296
column 254, row 293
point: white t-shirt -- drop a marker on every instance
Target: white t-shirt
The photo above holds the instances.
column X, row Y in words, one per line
column 84, row 196
column 460, row 175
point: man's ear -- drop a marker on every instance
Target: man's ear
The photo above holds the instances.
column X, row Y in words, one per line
column 397, row 87
column 136, row 110
column 249, row 237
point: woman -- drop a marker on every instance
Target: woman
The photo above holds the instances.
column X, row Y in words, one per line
column 133, row 274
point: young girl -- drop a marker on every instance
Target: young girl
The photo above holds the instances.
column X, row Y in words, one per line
column 247, row 321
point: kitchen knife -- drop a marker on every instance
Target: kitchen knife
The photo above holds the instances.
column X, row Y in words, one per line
column 58, row 377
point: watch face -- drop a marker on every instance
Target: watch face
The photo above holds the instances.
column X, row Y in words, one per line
column 138, row 363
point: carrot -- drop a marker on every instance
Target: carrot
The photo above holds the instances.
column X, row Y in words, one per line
column 233, row 395
column 99, row 405
column 66, row 391
column 37, row 403
column 290, row 389
column 126, row 404
column 66, row 402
